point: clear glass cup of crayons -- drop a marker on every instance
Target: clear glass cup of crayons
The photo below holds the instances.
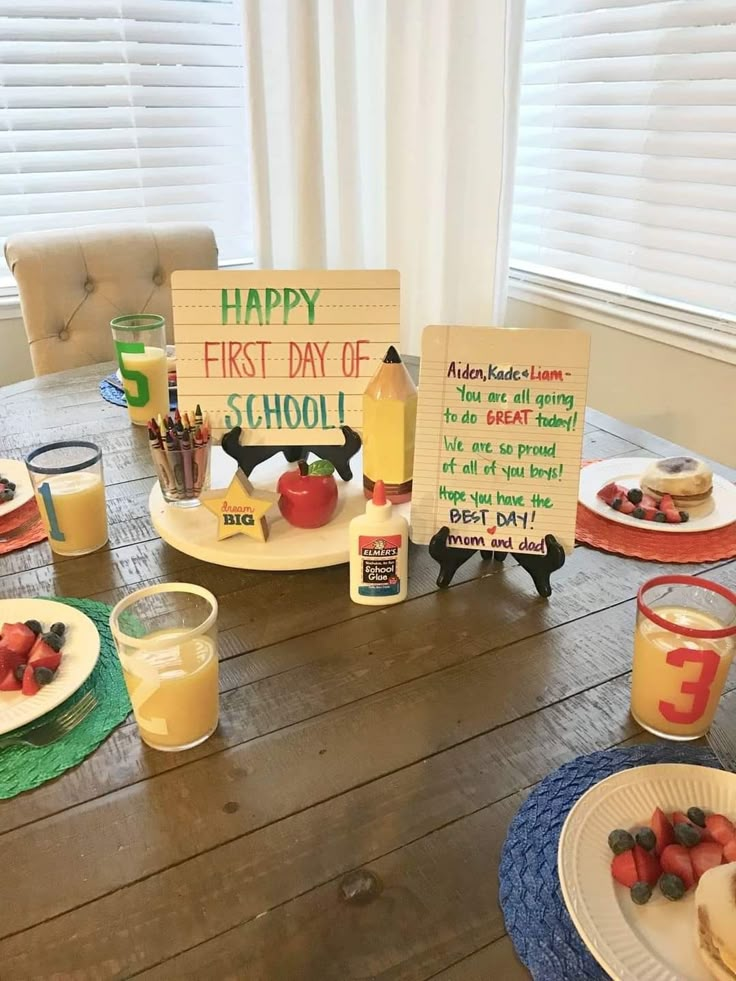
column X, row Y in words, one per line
column 166, row 639
column 180, row 448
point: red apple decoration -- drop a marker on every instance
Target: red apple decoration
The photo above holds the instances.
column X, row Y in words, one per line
column 308, row 495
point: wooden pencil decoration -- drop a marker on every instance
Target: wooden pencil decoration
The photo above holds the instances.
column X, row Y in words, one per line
column 389, row 424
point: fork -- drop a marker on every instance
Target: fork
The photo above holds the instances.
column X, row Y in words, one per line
column 724, row 747
column 49, row 732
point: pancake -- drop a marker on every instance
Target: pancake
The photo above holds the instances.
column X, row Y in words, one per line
column 688, row 481
column 715, row 902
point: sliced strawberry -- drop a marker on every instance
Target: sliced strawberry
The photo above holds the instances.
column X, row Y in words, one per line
column 666, row 503
column 679, row 818
column 44, row 656
column 706, row 855
column 647, row 866
column 8, row 682
column 721, row 829
column 673, row 517
column 627, row 507
column 676, row 859
column 649, row 513
column 729, row 851
column 662, row 829
column 30, row 685
column 609, row 491
column 623, row 869
column 648, row 501
column 18, row 637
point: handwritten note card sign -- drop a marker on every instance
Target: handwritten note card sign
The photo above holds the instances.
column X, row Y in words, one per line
column 286, row 355
column 499, row 436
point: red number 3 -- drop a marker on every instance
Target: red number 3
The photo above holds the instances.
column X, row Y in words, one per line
column 699, row 688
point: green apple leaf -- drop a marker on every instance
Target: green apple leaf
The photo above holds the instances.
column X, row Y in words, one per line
column 321, row 468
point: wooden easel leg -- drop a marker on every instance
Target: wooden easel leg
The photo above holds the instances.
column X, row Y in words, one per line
column 448, row 559
column 541, row 567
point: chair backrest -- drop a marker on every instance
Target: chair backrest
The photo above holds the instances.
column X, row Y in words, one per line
column 72, row 282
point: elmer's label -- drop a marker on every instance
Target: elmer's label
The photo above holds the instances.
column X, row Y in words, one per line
column 378, row 565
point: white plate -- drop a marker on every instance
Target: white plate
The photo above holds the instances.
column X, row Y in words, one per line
column 79, row 656
column 16, row 470
column 718, row 512
column 655, row 942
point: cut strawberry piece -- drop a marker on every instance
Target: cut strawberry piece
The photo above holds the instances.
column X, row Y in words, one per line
column 609, row 491
column 43, row 656
column 8, row 682
column 679, row 818
column 623, row 869
column 18, row 637
column 648, row 501
column 721, row 829
column 647, row 866
column 627, row 507
column 663, row 830
column 8, row 658
column 30, row 685
column 706, row 855
column 666, row 503
column 676, row 859
column 649, row 512
column 673, row 517
column 729, row 851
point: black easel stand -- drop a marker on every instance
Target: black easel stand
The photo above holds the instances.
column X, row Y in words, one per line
column 248, row 457
column 539, row 567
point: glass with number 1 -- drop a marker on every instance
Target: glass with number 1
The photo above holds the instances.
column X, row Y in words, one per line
column 140, row 347
column 70, row 493
column 684, row 643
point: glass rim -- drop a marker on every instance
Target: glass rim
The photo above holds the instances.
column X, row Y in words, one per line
column 64, row 444
column 163, row 587
column 677, row 628
column 154, row 320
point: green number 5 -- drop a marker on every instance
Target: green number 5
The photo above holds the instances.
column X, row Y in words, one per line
column 142, row 392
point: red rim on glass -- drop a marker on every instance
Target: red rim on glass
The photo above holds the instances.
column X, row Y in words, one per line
column 677, row 628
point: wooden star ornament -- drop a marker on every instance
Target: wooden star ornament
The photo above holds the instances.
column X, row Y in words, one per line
column 237, row 510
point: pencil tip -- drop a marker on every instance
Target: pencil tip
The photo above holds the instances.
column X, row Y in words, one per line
column 392, row 356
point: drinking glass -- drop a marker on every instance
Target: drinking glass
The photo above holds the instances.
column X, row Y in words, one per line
column 70, row 492
column 166, row 639
column 140, row 347
column 684, row 643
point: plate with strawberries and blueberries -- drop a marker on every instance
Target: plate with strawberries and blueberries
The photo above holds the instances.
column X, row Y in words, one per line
column 15, row 486
column 47, row 651
column 676, row 494
column 647, row 867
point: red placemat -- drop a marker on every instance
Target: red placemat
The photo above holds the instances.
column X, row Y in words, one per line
column 655, row 546
column 21, row 528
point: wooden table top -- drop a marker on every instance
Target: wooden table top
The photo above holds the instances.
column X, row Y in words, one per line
column 399, row 740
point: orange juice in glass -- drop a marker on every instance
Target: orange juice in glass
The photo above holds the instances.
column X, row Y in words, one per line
column 166, row 638
column 140, row 346
column 70, row 493
column 684, row 643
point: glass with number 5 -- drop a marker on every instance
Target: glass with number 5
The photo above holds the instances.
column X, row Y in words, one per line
column 140, row 347
column 683, row 647
column 70, row 493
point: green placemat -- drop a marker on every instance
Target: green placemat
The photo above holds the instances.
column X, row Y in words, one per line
column 25, row 767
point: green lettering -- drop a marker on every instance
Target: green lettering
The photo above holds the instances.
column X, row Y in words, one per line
column 311, row 303
column 254, row 303
column 230, row 306
column 229, row 423
column 252, row 423
column 273, row 300
column 291, row 300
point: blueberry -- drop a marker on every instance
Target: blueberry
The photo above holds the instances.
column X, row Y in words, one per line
column 35, row 626
column 43, row 675
column 687, row 835
column 53, row 640
column 672, row 886
column 696, row 816
column 58, row 628
column 616, row 503
column 646, row 838
column 660, row 516
column 7, row 495
column 635, row 495
column 641, row 893
column 638, row 513
column 10, row 484
column 19, row 671
column 620, row 841
column 684, row 516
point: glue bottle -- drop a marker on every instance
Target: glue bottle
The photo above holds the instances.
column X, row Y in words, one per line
column 379, row 551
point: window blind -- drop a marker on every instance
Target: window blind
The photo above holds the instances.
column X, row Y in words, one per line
column 123, row 111
column 626, row 173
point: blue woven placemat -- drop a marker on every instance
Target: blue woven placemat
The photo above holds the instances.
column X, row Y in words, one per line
column 529, row 889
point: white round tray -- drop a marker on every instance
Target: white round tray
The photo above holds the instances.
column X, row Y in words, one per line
column 194, row 530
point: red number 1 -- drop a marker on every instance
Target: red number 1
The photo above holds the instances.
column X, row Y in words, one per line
column 699, row 688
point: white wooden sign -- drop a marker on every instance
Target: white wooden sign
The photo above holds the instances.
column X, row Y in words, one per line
column 286, row 355
column 499, row 436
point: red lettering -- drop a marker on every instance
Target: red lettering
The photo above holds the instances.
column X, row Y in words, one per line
column 699, row 687
column 507, row 417
column 234, row 349
column 351, row 358
column 207, row 358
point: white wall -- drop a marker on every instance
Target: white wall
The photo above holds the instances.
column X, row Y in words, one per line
column 682, row 396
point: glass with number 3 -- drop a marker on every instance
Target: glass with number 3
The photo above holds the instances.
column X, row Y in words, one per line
column 684, row 643
column 70, row 493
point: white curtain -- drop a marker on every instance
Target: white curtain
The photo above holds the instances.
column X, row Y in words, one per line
column 383, row 136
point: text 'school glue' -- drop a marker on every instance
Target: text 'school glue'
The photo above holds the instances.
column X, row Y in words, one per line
column 379, row 549
column 389, row 423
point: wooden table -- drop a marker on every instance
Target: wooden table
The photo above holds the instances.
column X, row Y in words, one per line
column 398, row 740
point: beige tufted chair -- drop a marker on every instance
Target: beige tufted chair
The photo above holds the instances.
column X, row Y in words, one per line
column 73, row 282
